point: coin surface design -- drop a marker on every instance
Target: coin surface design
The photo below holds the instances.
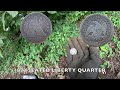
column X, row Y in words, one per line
column 36, row 27
column 96, row 30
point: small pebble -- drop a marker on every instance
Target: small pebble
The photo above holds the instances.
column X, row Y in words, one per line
column 61, row 77
column 29, row 77
column 118, row 75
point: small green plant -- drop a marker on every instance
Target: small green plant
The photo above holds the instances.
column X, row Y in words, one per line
column 105, row 51
column 115, row 39
column 118, row 45
column 106, row 65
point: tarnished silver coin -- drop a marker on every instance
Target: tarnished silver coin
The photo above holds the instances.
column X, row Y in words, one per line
column 36, row 27
column 29, row 77
column 96, row 30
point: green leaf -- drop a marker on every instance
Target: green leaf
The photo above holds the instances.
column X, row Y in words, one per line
column 1, row 54
column 115, row 39
column 109, row 65
column 102, row 54
column 110, row 52
column 52, row 12
column 118, row 24
column 119, row 32
column 2, row 37
column 105, row 63
column 105, row 48
column 13, row 13
column 102, row 66
column 118, row 45
column 17, row 23
column 3, row 20
column 1, row 43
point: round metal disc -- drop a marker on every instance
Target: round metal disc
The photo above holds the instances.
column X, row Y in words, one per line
column 96, row 30
column 36, row 27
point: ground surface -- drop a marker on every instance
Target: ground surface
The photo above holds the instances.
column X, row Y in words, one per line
column 111, row 73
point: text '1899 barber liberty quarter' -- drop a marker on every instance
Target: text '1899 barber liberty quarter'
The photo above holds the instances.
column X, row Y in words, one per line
column 96, row 30
column 36, row 27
